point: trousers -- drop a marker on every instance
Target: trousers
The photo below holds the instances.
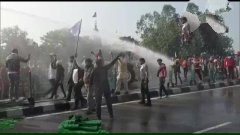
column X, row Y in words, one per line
column 14, row 85
column 145, row 91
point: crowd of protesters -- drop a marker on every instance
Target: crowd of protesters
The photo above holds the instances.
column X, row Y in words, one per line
column 94, row 77
column 204, row 69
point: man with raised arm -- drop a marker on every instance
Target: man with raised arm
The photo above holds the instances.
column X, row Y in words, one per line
column 99, row 81
column 13, row 66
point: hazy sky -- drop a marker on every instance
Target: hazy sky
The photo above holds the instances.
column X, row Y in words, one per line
column 37, row 18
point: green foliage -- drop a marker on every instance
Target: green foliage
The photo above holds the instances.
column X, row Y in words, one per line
column 14, row 37
column 161, row 33
column 193, row 8
column 8, row 123
column 222, row 45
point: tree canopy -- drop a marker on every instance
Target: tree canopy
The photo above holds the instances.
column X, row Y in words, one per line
column 160, row 32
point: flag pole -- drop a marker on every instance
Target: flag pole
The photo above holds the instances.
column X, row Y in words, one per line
column 78, row 37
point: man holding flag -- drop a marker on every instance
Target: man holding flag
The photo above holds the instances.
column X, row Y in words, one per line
column 77, row 73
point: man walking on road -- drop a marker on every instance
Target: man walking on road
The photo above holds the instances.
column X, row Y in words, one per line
column 198, row 68
column 211, row 70
column 71, row 65
column 52, row 73
column 162, row 74
column 59, row 79
column 77, row 78
column 177, row 71
column 144, row 74
column 185, row 68
column 13, row 65
column 99, row 81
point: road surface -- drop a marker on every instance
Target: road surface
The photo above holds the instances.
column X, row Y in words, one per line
column 215, row 110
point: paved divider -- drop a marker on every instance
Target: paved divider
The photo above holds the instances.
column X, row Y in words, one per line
column 61, row 105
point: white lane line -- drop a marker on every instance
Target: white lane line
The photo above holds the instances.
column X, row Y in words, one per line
column 215, row 127
column 45, row 115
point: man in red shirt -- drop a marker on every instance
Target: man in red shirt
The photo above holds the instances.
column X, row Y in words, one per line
column 225, row 64
column 198, row 69
column 228, row 65
column 231, row 67
column 162, row 74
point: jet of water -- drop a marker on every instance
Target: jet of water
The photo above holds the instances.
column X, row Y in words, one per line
column 113, row 41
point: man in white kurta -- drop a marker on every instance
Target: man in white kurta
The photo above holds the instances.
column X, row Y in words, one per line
column 122, row 76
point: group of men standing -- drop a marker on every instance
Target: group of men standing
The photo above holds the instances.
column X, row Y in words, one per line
column 95, row 78
column 207, row 69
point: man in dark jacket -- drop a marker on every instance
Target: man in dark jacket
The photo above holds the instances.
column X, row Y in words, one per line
column 177, row 72
column 13, row 65
column 99, row 81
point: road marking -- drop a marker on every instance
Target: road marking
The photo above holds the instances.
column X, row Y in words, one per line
column 103, row 106
column 215, row 127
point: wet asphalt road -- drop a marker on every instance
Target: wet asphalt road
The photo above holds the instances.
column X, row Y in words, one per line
column 191, row 112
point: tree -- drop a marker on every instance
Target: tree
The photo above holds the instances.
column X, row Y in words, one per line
column 59, row 41
column 63, row 43
column 57, row 38
column 160, row 32
column 222, row 45
column 14, row 37
column 193, row 8
column 168, row 11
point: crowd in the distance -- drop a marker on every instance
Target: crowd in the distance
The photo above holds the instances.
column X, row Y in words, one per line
column 204, row 69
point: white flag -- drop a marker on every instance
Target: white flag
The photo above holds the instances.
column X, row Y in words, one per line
column 76, row 29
